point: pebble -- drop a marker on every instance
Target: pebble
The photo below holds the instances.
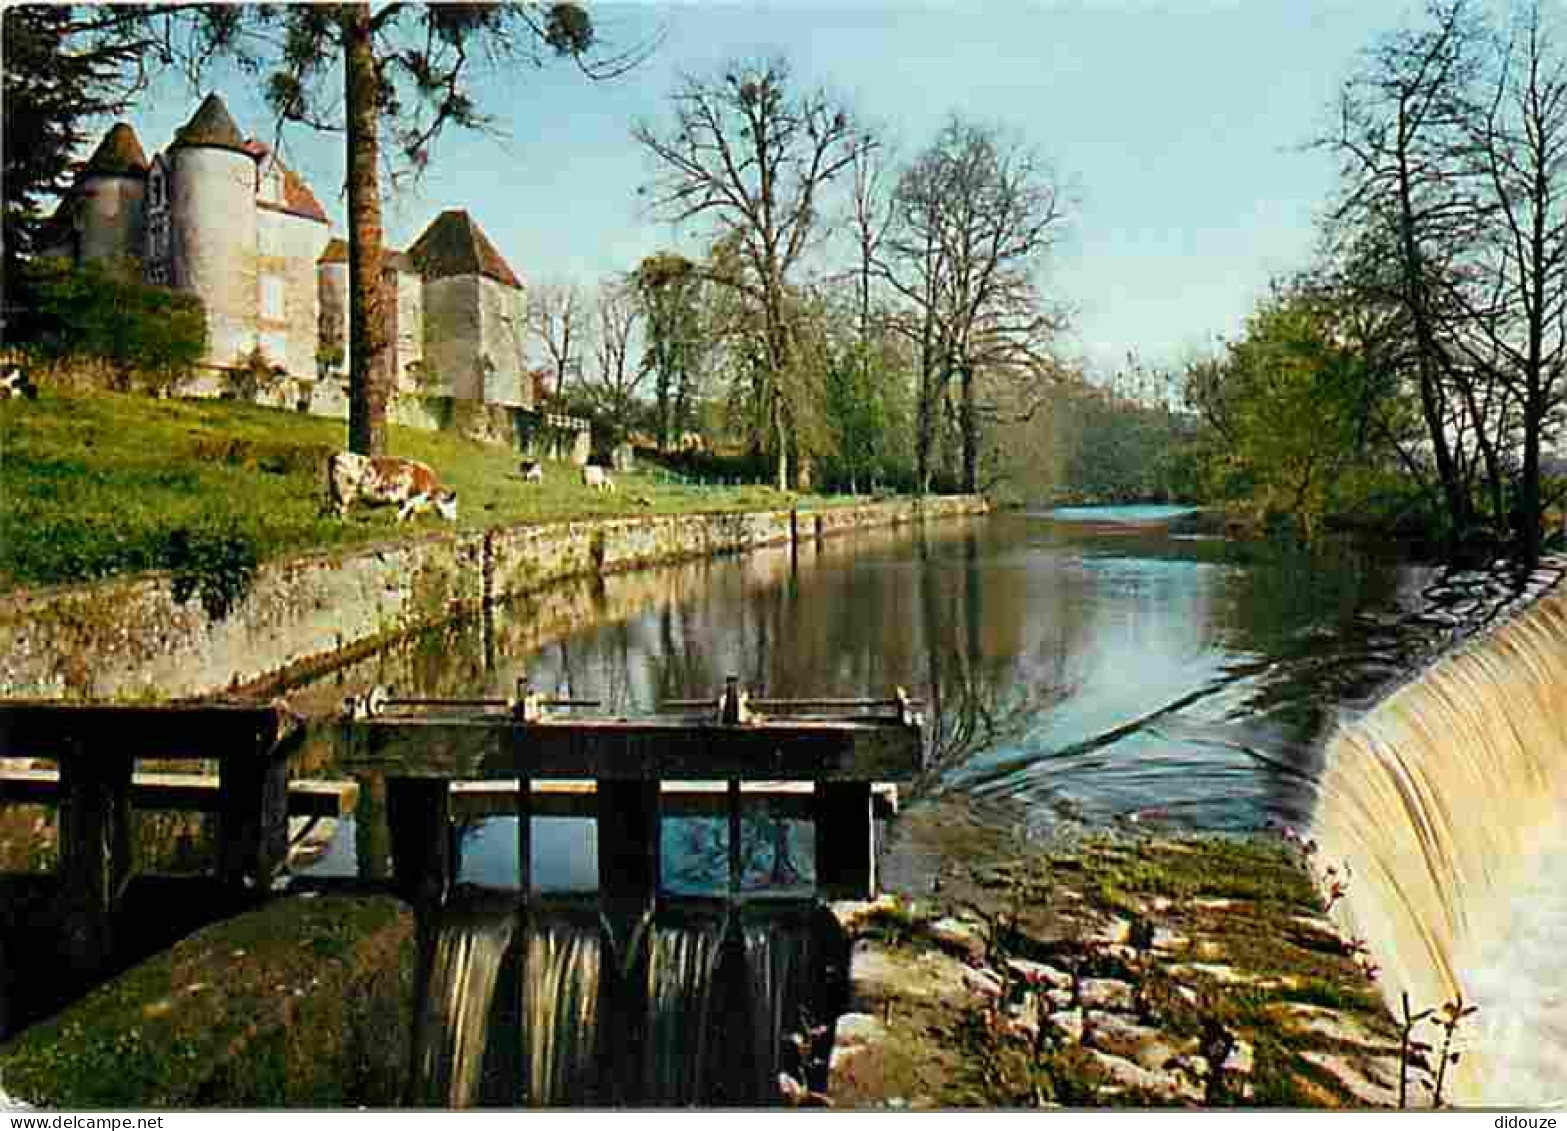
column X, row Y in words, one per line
column 1116, row 1034
column 958, row 935
column 1105, row 993
column 1039, row 972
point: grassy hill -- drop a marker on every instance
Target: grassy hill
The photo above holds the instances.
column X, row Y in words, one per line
column 93, row 485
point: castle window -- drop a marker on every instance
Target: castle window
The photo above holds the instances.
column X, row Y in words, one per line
column 272, row 297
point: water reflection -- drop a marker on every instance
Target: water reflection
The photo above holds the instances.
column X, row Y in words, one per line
column 1080, row 665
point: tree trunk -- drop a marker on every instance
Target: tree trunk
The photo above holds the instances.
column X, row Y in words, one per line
column 369, row 384
column 969, row 421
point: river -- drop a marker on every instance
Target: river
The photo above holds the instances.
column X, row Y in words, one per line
column 1085, row 665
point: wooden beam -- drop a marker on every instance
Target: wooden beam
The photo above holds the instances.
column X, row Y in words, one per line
column 96, row 855
column 424, row 856
column 184, row 793
column 629, row 848
column 634, row 750
column 845, row 841
column 48, row 729
column 561, row 798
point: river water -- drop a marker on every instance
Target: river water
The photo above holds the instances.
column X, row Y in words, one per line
column 1083, row 665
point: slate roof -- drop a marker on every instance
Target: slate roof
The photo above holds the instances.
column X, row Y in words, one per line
column 453, row 245
column 211, row 126
column 118, row 154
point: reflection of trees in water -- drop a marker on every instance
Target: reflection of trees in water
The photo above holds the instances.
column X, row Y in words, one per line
column 697, row 852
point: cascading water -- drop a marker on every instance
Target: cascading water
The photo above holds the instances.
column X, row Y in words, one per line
column 560, row 1011
column 1446, row 804
column 682, row 973
column 454, row 1021
column 559, row 1008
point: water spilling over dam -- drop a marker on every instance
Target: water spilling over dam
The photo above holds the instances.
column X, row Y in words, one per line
column 571, row 1005
column 1446, row 808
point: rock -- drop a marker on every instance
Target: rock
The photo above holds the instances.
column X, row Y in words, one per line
column 966, row 938
column 985, row 983
column 1124, row 1074
column 854, row 1034
column 1068, row 1023
column 1371, row 1080
column 1332, row 1025
column 853, row 914
column 1105, row 993
column 1112, row 933
column 878, row 973
column 1213, row 904
column 1040, row 974
column 1059, row 999
column 1166, row 940
column 1116, row 1034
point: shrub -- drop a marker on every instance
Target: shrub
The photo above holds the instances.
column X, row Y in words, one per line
column 151, row 335
column 216, row 565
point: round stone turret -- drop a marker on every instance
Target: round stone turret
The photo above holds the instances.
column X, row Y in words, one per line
column 109, row 197
column 214, row 222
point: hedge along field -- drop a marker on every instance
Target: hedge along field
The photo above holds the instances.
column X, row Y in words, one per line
column 95, row 484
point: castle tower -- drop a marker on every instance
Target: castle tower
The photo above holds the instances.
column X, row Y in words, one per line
column 475, row 312
column 214, row 227
column 109, row 197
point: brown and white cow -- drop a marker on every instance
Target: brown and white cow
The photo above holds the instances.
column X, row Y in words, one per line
column 385, row 481
column 597, row 478
column 14, row 383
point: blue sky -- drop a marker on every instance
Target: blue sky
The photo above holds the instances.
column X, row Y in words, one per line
column 1178, row 124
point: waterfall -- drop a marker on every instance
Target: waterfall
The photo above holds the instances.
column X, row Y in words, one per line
column 453, row 1024
column 682, row 970
column 560, row 1011
column 1445, row 803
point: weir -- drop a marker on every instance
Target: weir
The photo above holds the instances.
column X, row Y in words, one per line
column 554, row 1004
column 1446, row 807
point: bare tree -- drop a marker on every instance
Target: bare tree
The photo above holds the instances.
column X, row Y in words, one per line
column 1521, row 144
column 1408, row 212
column 614, row 378
column 977, row 213
column 751, row 157
column 557, row 316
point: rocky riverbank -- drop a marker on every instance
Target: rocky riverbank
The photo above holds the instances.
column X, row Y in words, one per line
column 1117, row 970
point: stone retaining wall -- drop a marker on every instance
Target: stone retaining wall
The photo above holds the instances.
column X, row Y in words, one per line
column 129, row 639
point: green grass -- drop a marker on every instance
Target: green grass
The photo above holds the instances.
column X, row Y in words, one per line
column 95, row 485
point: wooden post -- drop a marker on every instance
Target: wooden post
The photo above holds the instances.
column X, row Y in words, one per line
column 736, row 856
column 525, row 838
column 845, row 840
column 419, row 815
column 252, row 818
column 96, row 851
column 628, row 839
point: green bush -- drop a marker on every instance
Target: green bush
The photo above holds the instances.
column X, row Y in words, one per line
column 150, row 334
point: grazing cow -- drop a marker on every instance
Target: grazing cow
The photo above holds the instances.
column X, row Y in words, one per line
column 14, row 383
column 383, row 481
column 532, row 471
column 597, row 478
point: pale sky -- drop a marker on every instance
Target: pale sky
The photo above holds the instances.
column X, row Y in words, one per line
column 1179, row 125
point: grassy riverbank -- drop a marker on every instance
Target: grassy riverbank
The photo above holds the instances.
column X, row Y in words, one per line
column 97, row 485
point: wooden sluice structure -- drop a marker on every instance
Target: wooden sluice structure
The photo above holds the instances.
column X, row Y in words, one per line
column 809, row 756
column 836, row 762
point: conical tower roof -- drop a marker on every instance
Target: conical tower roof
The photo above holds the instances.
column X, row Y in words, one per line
column 453, row 245
column 118, row 154
column 211, row 126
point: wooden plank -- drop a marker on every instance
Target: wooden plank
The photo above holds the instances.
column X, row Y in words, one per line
column 424, row 857
column 845, row 841
column 185, row 793
column 96, row 855
column 565, row 798
column 48, row 729
column 634, row 750
column 629, row 848
column 252, row 820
